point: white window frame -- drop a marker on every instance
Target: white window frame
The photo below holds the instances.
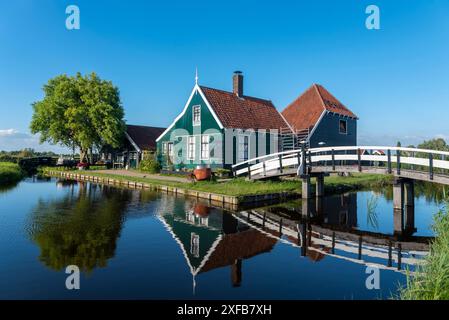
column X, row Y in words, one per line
column 170, row 150
column 241, row 147
column 198, row 121
column 342, row 120
column 195, row 244
column 205, row 156
column 191, row 152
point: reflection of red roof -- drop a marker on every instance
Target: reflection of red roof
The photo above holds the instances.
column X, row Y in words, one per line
column 241, row 245
column 304, row 112
column 243, row 112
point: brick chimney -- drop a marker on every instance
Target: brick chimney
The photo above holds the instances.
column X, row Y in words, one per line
column 237, row 81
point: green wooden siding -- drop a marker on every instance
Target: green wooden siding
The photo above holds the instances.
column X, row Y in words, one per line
column 184, row 127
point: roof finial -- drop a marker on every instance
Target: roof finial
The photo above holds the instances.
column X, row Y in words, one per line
column 196, row 75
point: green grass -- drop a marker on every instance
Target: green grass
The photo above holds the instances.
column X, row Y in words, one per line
column 10, row 173
column 242, row 187
column 431, row 280
column 357, row 181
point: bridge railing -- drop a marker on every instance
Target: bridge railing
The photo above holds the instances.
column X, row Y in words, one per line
column 390, row 158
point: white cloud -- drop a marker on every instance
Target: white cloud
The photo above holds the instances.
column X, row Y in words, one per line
column 13, row 139
column 7, row 132
column 391, row 140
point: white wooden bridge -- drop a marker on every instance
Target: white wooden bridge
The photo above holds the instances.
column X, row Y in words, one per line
column 417, row 164
column 405, row 164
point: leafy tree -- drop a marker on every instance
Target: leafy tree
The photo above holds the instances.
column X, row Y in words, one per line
column 79, row 111
column 434, row 144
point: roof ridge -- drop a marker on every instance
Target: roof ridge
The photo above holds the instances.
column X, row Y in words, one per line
column 232, row 93
column 298, row 97
column 316, row 86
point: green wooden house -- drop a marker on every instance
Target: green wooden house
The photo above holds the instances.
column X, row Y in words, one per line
column 219, row 128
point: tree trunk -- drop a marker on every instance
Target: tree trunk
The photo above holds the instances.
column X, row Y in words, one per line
column 82, row 154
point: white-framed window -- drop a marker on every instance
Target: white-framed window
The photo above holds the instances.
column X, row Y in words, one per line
column 243, row 148
column 205, row 147
column 170, row 149
column 191, row 147
column 164, row 148
column 343, row 126
column 196, row 116
column 195, row 244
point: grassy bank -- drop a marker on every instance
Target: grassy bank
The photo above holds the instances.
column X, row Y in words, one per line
column 242, row 187
column 10, row 173
column 431, row 280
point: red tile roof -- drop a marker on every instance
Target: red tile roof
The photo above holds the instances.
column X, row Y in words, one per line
column 304, row 112
column 243, row 112
column 144, row 137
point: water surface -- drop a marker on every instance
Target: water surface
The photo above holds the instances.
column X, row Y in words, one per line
column 138, row 244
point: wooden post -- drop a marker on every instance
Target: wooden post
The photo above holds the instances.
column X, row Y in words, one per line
column 389, row 161
column 280, row 164
column 319, row 185
column 390, row 254
column 303, row 160
column 333, row 242
column 398, row 162
column 249, row 170
column 310, row 158
column 399, row 256
column 280, row 227
column 333, row 159
column 264, row 169
column 431, row 166
column 306, row 187
column 360, row 248
column 299, row 158
column 359, row 159
column 264, row 219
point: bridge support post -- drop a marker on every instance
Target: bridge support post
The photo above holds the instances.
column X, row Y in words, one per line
column 398, row 194
column 409, row 188
column 398, row 205
column 306, row 188
column 306, row 208
column 398, row 221
column 404, row 206
column 320, row 185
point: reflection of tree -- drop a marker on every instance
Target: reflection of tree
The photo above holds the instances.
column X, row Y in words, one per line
column 81, row 228
column 8, row 187
column 432, row 192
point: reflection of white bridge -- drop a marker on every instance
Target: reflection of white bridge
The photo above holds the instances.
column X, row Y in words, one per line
column 416, row 164
column 317, row 242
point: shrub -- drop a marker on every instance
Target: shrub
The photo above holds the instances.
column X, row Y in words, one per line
column 10, row 173
column 150, row 164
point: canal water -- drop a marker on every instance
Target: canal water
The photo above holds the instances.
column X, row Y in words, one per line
column 139, row 244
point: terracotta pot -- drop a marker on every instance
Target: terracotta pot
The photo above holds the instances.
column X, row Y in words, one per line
column 202, row 174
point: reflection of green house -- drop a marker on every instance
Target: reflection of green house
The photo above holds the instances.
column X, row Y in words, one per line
column 220, row 128
column 210, row 239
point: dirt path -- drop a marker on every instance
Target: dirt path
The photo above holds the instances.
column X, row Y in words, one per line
column 142, row 175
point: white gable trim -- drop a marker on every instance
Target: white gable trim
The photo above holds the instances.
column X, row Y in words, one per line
column 133, row 143
column 196, row 88
column 210, row 107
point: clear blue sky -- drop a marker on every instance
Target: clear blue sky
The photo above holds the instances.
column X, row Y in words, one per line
column 395, row 79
